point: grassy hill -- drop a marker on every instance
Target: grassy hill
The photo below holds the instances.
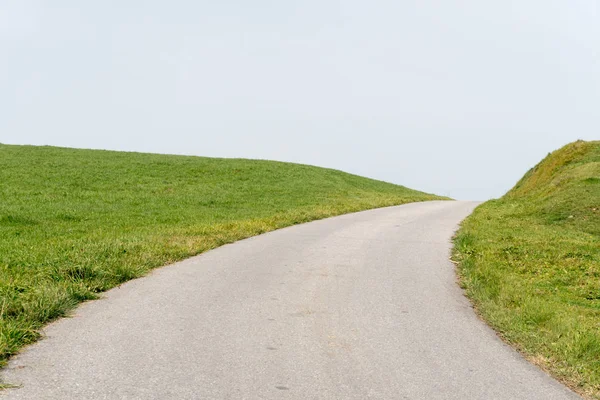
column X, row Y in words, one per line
column 530, row 262
column 74, row 223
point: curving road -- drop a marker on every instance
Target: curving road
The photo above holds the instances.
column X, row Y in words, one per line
column 362, row 306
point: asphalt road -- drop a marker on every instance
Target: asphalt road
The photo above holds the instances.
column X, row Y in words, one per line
column 362, row 306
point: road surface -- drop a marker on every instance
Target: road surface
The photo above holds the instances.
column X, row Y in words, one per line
column 362, row 306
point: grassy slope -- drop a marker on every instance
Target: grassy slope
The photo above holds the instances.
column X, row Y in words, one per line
column 531, row 263
column 76, row 222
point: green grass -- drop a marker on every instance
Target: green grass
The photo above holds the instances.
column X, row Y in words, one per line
column 530, row 262
column 74, row 223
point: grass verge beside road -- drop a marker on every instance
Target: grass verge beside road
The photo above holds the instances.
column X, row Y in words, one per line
column 530, row 262
column 74, row 223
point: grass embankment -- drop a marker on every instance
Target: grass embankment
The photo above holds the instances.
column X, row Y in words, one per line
column 530, row 262
column 74, row 223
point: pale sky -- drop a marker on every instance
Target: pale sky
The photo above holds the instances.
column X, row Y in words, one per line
column 458, row 98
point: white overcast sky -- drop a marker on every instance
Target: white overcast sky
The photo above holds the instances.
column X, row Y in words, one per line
column 457, row 97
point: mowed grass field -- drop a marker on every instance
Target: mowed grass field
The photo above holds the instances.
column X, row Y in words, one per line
column 530, row 262
column 74, row 223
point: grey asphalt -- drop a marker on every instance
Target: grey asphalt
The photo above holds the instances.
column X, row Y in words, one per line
column 362, row 306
